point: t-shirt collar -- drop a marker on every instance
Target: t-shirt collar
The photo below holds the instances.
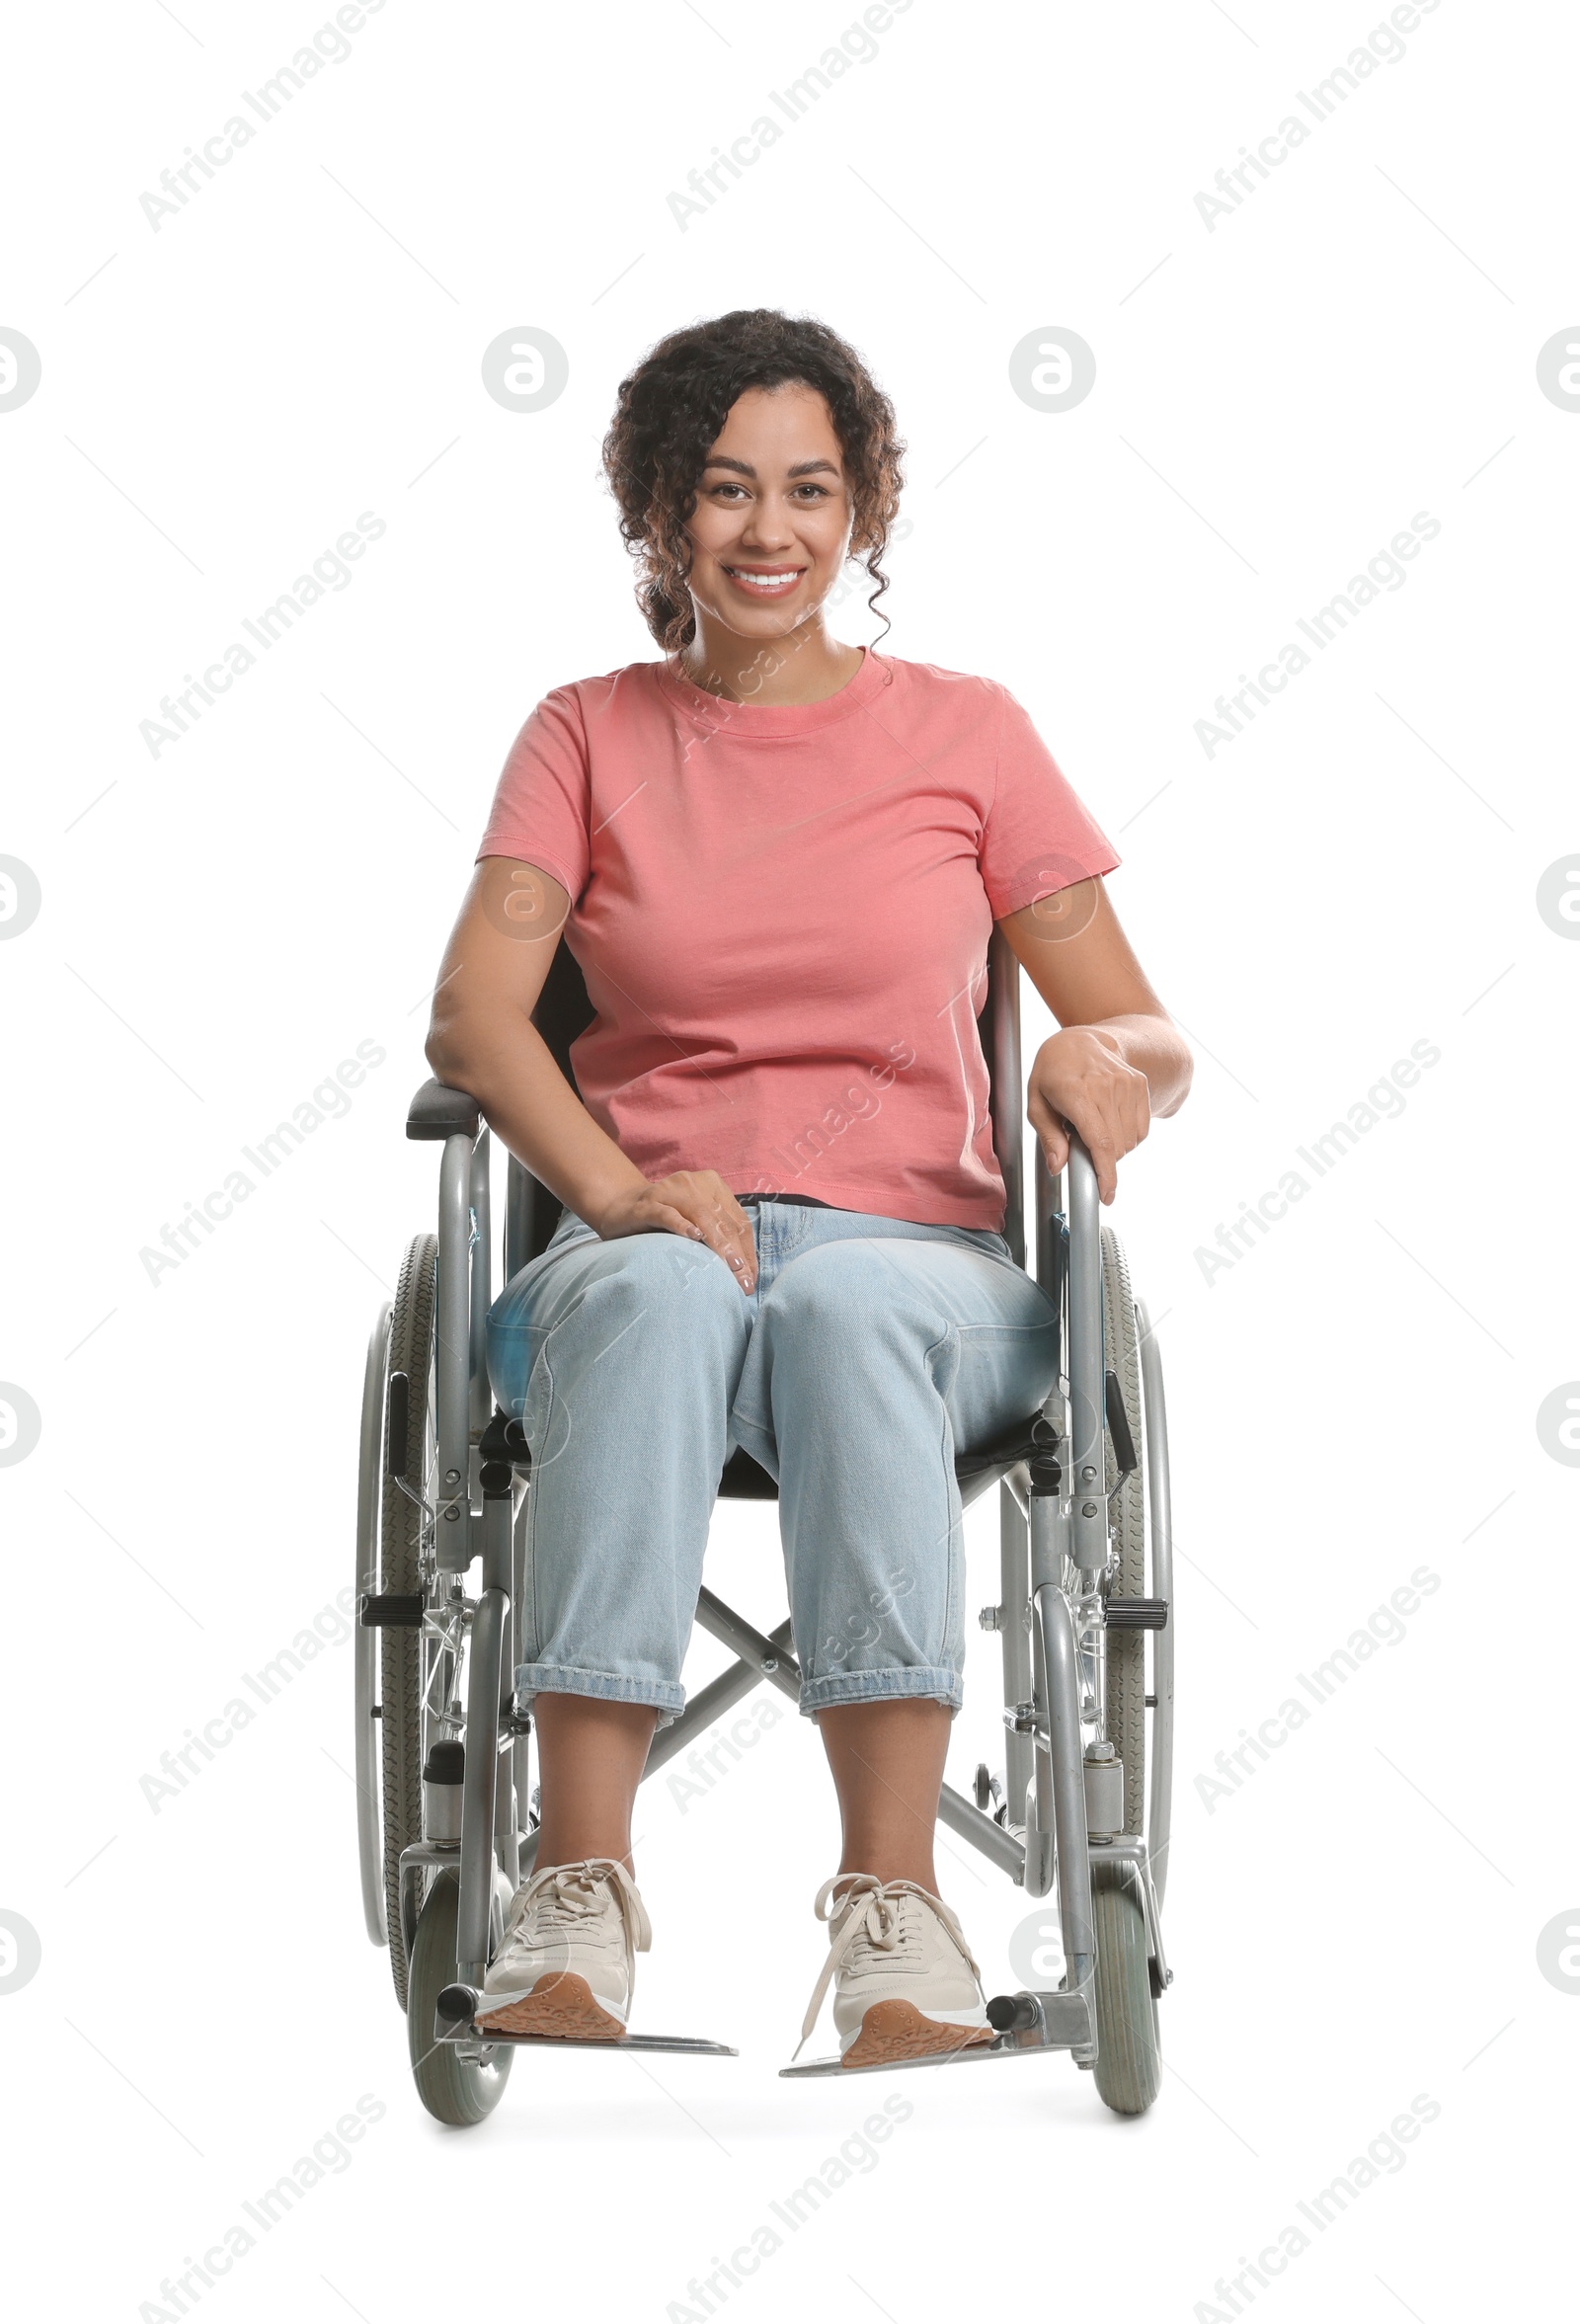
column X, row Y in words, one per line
column 756, row 721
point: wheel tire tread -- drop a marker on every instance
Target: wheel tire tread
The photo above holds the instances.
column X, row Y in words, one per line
column 1129, row 2067
column 1126, row 1664
column 411, row 1345
column 455, row 2089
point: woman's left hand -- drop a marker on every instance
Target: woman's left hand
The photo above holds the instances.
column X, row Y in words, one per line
column 1080, row 1077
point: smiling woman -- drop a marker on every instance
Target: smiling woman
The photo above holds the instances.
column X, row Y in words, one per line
column 777, row 860
column 719, row 540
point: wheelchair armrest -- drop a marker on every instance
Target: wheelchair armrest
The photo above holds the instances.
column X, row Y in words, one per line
column 438, row 1112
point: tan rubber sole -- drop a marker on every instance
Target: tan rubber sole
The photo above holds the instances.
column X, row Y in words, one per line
column 560, row 2005
column 895, row 2030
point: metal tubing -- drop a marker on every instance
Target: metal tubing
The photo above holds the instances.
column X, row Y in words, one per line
column 1046, row 1184
column 728, row 1627
column 498, row 1563
column 499, row 1559
column 1014, row 1639
column 716, row 1698
column 476, row 1900
column 1159, row 1528
column 451, row 1358
column 1085, row 1480
column 481, row 1402
column 365, row 1756
column 1061, row 1693
column 965, row 1819
column 757, row 1652
column 521, row 1743
column 1050, row 1529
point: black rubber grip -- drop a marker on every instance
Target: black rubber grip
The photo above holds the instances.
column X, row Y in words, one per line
column 1012, row 2013
column 1136, row 1612
column 1119, row 1424
column 392, row 1612
column 446, row 1763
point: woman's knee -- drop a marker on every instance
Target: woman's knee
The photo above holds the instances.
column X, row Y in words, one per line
column 659, row 1300
column 851, row 1282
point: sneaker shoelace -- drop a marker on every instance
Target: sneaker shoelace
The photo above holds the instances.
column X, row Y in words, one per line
column 565, row 1895
column 878, row 1918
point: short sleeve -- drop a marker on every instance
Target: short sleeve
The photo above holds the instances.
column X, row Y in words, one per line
column 540, row 805
column 1038, row 837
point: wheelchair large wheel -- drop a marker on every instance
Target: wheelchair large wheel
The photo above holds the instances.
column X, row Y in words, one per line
column 365, row 1641
column 1129, row 2066
column 1125, row 1678
column 454, row 2089
column 405, row 1564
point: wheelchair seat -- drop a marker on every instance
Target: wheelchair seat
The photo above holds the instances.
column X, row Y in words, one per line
column 745, row 1480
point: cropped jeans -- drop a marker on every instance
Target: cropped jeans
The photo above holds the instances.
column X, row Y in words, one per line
column 868, row 1349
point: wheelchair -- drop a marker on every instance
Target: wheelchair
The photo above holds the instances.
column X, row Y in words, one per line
column 446, row 1812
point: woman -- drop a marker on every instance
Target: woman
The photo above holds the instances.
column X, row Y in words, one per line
column 777, row 860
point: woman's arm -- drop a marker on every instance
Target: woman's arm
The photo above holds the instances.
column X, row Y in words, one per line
column 1119, row 1058
column 482, row 1039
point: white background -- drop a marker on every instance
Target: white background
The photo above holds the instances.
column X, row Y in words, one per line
column 1357, row 1397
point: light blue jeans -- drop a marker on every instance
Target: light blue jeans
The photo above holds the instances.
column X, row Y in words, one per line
column 868, row 1349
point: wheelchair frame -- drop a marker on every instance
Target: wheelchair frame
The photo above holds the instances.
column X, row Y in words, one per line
column 1061, row 1822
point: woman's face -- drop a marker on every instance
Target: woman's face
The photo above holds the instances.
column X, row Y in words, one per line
column 771, row 501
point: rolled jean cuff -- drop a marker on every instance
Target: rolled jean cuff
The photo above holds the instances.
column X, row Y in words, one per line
column 610, row 1686
column 879, row 1686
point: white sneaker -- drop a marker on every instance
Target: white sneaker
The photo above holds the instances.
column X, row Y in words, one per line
column 906, row 1985
column 566, row 1966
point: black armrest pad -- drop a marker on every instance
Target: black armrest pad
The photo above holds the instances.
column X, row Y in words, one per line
column 438, row 1112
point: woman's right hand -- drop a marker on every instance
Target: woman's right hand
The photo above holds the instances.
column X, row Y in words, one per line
column 694, row 1203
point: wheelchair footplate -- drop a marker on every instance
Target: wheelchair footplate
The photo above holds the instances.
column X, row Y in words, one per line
column 455, row 2015
column 1026, row 2025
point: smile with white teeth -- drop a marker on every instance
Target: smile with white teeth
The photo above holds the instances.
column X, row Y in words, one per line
column 768, row 584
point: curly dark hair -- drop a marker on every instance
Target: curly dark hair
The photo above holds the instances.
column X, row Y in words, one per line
column 669, row 415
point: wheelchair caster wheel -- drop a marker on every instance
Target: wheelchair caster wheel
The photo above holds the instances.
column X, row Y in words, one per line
column 455, row 2088
column 1129, row 2067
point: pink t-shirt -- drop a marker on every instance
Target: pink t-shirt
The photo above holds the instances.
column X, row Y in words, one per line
column 782, row 915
